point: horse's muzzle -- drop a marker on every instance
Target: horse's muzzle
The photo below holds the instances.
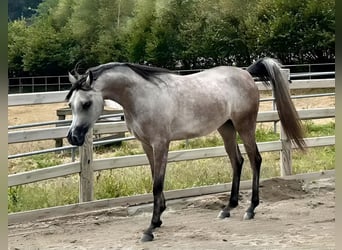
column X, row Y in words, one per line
column 76, row 137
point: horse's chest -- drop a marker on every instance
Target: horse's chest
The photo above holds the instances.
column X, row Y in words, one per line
column 140, row 126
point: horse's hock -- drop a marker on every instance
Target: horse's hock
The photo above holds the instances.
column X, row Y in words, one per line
column 62, row 113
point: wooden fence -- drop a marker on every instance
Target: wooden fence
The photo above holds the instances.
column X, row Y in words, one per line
column 86, row 166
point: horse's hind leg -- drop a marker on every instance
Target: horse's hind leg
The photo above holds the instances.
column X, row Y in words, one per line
column 228, row 133
column 248, row 138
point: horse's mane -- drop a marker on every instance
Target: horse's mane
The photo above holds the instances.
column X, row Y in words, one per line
column 146, row 72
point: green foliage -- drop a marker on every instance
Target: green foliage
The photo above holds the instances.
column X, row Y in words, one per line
column 39, row 161
column 123, row 182
column 17, row 33
column 46, row 49
column 312, row 129
column 294, row 31
column 46, row 160
column 138, row 29
column 55, row 192
column 170, row 33
column 315, row 159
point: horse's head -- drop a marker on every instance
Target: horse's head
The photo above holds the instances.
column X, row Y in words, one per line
column 86, row 104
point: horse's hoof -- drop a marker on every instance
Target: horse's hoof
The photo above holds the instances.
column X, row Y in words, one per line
column 248, row 215
column 223, row 214
column 147, row 237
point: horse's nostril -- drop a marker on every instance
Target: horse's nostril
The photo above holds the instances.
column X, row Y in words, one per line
column 71, row 138
column 74, row 139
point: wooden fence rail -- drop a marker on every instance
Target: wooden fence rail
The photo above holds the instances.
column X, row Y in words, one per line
column 119, row 205
column 138, row 160
column 117, row 127
column 59, row 96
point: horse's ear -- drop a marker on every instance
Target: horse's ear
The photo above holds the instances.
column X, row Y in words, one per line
column 78, row 76
column 89, row 80
column 72, row 79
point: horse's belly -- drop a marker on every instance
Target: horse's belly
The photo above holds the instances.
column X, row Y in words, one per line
column 195, row 126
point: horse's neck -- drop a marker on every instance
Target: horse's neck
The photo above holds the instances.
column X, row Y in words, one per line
column 117, row 89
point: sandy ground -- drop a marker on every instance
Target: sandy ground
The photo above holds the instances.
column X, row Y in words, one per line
column 291, row 215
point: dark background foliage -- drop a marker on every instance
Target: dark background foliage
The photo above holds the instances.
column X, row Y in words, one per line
column 49, row 37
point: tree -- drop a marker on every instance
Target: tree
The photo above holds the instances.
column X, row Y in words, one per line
column 294, row 31
column 47, row 51
column 112, row 16
column 319, row 41
column 138, row 30
column 163, row 46
column 17, row 33
column 166, row 33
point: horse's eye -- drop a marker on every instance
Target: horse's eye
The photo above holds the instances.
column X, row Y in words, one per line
column 86, row 105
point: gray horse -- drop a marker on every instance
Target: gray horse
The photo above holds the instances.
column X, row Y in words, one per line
column 160, row 107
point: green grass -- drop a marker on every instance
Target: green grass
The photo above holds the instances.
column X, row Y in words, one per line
column 35, row 162
column 314, row 130
column 59, row 191
column 180, row 175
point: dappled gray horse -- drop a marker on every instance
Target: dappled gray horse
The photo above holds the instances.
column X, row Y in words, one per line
column 160, row 107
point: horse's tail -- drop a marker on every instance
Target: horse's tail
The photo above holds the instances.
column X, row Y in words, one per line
column 268, row 70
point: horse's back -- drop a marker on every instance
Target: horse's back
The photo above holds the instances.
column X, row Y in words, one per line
column 205, row 100
column 232, row 86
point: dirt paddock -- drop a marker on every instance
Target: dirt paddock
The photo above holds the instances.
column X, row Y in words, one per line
column 292, row 215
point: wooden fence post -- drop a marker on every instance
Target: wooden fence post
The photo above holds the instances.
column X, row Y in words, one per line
column 86, row 192
column 285, row 152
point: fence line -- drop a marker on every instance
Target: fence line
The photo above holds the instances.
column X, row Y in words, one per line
column 139, row 160
column 65, row 148
column 119, row 205
column 118, row 127
column 67, row 122
column 59, row 96
column 59, row 83
column 86, row 188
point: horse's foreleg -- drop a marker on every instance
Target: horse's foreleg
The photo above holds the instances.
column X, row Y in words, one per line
column 160, row 153
column 149, row 152
column 234, row 194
